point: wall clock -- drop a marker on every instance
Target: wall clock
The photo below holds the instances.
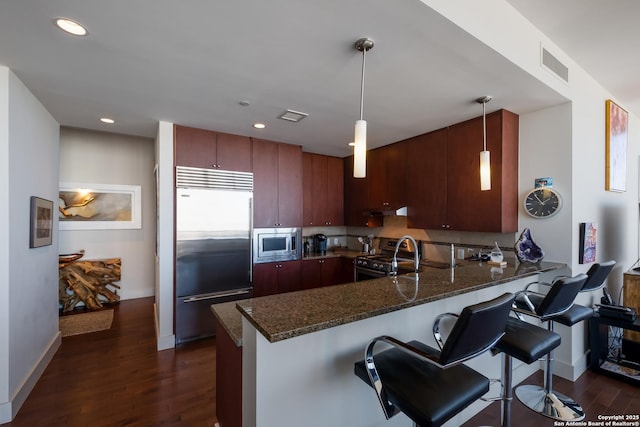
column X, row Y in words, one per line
column 543, row 202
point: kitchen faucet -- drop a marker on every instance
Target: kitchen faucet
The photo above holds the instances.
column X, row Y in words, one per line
column 416, row 255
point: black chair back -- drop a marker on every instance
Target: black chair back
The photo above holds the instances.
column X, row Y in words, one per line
column 560, row 297
column 597, row 275
column 477, row 329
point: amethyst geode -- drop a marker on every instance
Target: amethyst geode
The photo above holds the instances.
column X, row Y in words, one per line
column 526, row 249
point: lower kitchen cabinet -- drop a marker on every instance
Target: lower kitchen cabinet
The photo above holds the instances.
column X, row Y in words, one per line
column 326, row 272
column 276, row 277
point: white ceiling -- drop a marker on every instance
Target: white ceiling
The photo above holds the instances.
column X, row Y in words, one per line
column 192, row 62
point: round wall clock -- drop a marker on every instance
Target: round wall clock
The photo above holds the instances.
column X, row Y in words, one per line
column 543, row 202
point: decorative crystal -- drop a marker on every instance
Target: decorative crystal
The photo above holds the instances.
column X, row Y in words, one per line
column 526, row 249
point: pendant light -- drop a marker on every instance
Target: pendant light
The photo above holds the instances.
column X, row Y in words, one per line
column 485, row 158
column 360, row 138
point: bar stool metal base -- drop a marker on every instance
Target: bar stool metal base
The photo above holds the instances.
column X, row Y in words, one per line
column 550, row 404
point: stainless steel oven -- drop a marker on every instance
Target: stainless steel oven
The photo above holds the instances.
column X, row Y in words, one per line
column 368, row 267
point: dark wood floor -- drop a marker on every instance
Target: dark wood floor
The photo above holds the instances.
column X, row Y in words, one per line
column 117, row 378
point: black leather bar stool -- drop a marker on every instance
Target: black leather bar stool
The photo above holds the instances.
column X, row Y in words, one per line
column 558, row 300
column 597, row 274
column 525, row 342
column 428, row 385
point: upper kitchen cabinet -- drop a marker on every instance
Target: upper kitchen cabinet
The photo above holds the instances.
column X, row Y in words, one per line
column 356, row 199
column 277, row 184
column 468, row 207
column 207, row 149
column 443, row 177
column 386, row 172
column 426, row 176
column 323, row 183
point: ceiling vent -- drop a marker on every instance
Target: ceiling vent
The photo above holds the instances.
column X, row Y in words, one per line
column 554, row 65
column 292, row 116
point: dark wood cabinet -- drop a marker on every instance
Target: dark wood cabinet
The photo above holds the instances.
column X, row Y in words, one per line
column 443, row 177
column 276, row 277
column 356, row 199
column 386, row 168
column 208, row 149
column 277, row 184
column 469, row 208
column 326, row 272
column 427, row 180
column 323, row 185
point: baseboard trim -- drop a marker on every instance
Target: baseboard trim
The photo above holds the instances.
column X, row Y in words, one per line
column 9, row 410
column 568, row 371
column 163, row 342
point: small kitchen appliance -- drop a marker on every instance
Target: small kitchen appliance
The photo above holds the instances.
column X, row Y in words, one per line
column 320, row 244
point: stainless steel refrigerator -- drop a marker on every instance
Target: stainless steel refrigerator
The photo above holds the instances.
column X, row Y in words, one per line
column 213, row 245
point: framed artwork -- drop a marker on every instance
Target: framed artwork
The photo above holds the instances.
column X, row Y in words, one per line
column 41, row 222
column 616, row 128
column 587, row 247
column 99, row 206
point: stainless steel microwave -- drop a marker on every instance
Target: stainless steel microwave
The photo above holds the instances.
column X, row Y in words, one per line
column 276, row 244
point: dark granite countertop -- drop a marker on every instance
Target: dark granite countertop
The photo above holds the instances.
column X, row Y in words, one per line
column 284, row 316
column 230, row 318
column 335, row 252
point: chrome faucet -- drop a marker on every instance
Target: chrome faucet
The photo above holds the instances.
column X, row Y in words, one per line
column 416, row 255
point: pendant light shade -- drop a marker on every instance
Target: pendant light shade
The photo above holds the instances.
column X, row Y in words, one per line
column 485, row 156
column 360, row 150
column 360, row 136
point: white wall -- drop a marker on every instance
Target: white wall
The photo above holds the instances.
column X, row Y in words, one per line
column 107, row 158
column 29, row 333
column 165, row 235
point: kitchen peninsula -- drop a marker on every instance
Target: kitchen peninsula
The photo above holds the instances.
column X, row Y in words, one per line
column 298, row 349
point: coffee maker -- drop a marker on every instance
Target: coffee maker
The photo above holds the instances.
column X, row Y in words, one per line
column 319, row 244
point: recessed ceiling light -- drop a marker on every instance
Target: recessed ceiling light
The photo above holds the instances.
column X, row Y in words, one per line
column 107, row 120
column 259, row 125
column 71, row 27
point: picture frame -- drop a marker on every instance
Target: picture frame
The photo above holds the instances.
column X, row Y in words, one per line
column 587, row 246
column 616, row 136
column 85, row 206
column 40, row 222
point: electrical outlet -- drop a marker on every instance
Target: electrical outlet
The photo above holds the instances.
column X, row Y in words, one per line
column 460, row 253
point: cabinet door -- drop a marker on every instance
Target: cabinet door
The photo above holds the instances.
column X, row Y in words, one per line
column 356, row 199
column 469, row 208
column 194, row 147
column 307, row 190
column 289, row 275
column 427, row 180
column 265, row 183
column 289, row 185
column 265, row 279
column 386, row 168
column 335, row 191
column 331, row 271
column 233, row 152
column 319, row 188
column 311, row 274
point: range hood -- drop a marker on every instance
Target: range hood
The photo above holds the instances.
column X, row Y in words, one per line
column 386, row 211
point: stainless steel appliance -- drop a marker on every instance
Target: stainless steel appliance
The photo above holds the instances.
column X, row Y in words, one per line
column 213, row 245
column 277, row 244
column 366, row 267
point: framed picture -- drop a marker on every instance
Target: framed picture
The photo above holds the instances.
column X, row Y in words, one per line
column 99, row 206
column 587, row 247
column 41, row 222
column 617, row 122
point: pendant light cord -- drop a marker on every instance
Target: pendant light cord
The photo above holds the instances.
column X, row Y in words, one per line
column 484, row 125
column 362, row 84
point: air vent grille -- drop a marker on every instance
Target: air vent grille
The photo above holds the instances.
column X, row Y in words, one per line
column 554, row 65
column 187, row 177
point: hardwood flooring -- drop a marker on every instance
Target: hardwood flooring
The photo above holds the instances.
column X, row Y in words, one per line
column 117, row 378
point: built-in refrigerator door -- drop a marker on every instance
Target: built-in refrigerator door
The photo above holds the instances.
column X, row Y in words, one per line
column 213, row 241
